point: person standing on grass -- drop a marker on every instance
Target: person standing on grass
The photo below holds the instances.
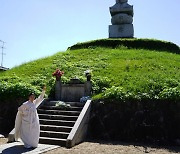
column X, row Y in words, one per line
column 27, row 126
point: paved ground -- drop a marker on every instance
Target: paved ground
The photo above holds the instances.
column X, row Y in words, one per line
column 18, row 148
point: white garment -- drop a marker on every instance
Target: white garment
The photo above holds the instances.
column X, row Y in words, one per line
column 27, row 123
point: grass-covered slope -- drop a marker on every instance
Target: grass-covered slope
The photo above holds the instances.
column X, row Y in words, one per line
column 141, row 76
column 120, row 71
column 150, row 44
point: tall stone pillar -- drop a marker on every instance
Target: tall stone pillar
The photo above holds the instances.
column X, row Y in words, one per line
column 122, row 19
column 58, row 86
column 87, row 88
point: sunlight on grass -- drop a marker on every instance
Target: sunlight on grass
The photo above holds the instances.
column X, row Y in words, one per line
column 135, row 70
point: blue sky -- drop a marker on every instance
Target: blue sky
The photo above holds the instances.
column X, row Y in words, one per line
column 34, row 29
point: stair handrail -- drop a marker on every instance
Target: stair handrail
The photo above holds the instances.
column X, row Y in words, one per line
column 79, row 131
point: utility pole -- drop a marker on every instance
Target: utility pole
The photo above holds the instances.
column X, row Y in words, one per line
column 2, row 47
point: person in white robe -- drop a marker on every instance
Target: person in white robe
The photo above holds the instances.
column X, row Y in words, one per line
column 27, row 126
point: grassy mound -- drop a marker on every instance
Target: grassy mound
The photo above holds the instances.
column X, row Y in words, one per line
column 141, row 88
column 150, row 44
column 131, row 80
column 120, row 72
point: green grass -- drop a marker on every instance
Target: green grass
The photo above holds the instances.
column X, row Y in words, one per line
column 138, row 71
column 150, row 44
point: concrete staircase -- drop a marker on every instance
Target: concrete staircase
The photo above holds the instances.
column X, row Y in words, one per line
column 62, row 126
column 56, row 123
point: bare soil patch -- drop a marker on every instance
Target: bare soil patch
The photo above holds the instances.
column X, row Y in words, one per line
column 115, row 148
column 102, row 147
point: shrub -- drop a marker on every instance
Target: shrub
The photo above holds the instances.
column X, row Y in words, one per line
column 38, row 81
column 170, row 94
column 10, row 79
column 120, row 94
column 115, row 93
column 100, row 84
column 10, row 91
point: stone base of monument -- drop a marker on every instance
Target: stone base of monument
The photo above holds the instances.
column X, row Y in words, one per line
column 121, row 31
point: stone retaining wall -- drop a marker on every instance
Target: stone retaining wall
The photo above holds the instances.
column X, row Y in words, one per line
column 135, row 121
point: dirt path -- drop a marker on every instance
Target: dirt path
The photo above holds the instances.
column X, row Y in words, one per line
column 110, row 148
column 114, row 148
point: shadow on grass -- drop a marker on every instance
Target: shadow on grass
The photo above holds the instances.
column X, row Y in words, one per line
column 142, row 147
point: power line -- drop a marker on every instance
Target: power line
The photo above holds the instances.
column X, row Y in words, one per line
column 2, row 47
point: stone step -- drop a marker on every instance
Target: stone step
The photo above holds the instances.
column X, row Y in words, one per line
column 59, row 112
column 75, row 104
column 58, row 117
column 73, row 108
column 55, row 128
column 57, row 122
column 53, row 141
column 51, row 134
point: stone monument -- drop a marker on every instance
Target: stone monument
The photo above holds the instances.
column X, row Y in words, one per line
column 122, row 18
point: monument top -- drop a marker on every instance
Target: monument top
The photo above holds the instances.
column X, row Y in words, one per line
column 122, row 18
column 121, row 1
column 121, row 8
